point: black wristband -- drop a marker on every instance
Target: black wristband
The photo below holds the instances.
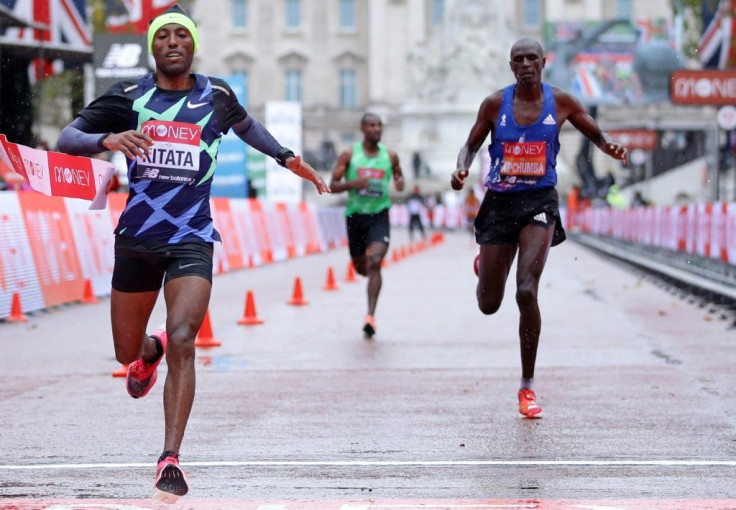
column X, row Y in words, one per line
column 283, row 154
column 102, row 139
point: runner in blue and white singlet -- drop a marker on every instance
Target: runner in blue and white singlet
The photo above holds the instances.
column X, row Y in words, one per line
column 520, row 210
column 524, row 157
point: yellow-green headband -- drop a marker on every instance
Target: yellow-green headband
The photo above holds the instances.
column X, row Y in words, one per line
column 173, row 17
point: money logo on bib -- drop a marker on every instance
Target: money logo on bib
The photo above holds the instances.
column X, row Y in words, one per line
column 174, row 156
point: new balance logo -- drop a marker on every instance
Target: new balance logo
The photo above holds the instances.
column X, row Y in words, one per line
column 194, row 105
column 541, row 217
column 549, row 120
column 122, row 56
column 503, row 120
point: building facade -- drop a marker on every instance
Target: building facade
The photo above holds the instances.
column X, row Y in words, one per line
column 340, row 58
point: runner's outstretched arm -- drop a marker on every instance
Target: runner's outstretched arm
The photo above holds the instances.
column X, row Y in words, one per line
column 587, row 125
column 254, row 134
column 483, row 125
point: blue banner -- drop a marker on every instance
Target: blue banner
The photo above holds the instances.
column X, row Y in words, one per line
column 231, row 176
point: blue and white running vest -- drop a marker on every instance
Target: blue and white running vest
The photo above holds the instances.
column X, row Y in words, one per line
column 524, row 157
column 169, row 198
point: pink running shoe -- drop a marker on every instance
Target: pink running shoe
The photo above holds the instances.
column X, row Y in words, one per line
column 142, row 376
column 476, row 265
column 528, row 406
column 171, row 480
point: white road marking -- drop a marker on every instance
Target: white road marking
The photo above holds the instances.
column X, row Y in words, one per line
column 95, row 506
column 597, row 507
column 386, row 463
column 454, row 506
column 271, row 507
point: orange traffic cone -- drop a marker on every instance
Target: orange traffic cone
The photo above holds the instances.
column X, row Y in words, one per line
column 403, row 253
column 16, row 310
column 384, row 263
column 395, row 256
column 330, row 284
column 250, row 316
column 204, row 337
column 121, row 372
column 350, row 276
column 297, row 298
column 89, row 295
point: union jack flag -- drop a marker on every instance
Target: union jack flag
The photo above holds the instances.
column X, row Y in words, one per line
column 67, row 22
column 132, row 16
column 717, row 48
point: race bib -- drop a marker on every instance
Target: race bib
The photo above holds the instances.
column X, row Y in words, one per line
column 174, row 156
column 524, row 159
column 375, row 183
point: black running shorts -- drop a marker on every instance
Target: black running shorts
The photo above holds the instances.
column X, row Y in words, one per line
column 142, row 266
column 502, row 215
column 366, row 229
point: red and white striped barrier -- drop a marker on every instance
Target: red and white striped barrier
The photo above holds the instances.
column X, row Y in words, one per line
column 707, row 230
column 50, row 247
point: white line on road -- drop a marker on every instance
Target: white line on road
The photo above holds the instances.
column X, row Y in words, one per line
column 387, row 463
column 444, row 506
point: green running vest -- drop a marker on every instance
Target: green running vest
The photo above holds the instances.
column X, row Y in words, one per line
column 378, row 169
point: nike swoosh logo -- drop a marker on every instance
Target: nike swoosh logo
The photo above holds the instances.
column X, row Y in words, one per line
column 194, row 105
column 189, row 265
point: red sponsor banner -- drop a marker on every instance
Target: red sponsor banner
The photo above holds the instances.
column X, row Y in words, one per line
column 94, row 242
column 116, row 203
column 52, row 244
column 263, row 240
column 274, row 228
column 315, row 240
column 50, row 248
column 57, row 174
column 71, row 177
column 17, row 269
column 632, row 139
column 226, row 224
column 282, row 218
column 703, row 87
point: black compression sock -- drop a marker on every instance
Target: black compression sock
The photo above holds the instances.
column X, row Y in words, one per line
column 159, row 351
column 168, row 453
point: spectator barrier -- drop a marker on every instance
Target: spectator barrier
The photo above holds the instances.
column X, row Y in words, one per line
column 442, row 216
column 52, row 247
column 707, row 230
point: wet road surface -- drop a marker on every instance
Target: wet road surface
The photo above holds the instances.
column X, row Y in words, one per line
column 302, row 412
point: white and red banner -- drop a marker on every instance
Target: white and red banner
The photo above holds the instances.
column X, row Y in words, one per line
column 707, row 230
column 56, row 174
column 51, row 247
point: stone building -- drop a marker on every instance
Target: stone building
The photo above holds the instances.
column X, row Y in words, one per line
column 403, row 59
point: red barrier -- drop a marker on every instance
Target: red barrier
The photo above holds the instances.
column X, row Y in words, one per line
column 54, row 249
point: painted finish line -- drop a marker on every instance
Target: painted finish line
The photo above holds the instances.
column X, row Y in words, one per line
column 204, row 504
column 420, row 463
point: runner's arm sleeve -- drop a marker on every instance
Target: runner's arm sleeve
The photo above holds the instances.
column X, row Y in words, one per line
column 109, row 113
column 75, row 139
column 254, row 134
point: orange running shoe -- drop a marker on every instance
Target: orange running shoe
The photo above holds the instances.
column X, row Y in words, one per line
column 528, row 406
column 171, row 480
column 369, row 326
column 142, row 376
